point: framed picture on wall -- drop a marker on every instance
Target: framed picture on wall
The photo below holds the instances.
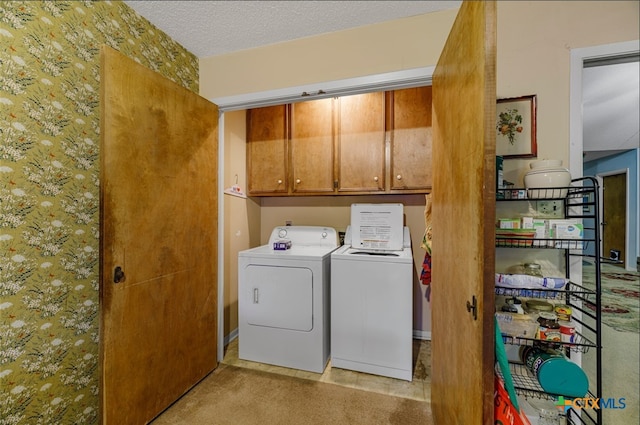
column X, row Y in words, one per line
column 516, row 127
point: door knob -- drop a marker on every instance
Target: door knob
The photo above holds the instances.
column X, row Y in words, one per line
column 118, row 275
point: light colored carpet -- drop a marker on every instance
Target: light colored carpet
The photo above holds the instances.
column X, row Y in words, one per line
column 620, row 374
column 240, row 396
column 620, row 342
column 620, row 290
column 418, row 389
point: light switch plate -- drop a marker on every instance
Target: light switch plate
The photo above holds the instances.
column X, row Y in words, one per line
column 551, row 209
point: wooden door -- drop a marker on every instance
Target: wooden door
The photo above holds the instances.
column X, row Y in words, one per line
column 614, row 215
column 411, row 138
column 312, row 148
column 267, row 150
column 158, row 224
column 463, row 217
column 361, row 155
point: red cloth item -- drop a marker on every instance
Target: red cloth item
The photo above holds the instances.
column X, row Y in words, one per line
column 425, row 275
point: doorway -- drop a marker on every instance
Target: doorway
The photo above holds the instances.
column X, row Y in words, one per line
column 245, row 223
column 614, row 218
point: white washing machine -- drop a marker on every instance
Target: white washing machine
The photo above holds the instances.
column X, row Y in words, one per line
column 283, row 298
column 371, row 294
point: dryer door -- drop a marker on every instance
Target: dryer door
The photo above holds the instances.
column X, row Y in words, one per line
column 279, row 297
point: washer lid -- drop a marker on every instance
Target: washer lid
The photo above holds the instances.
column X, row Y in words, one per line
column 354, row 254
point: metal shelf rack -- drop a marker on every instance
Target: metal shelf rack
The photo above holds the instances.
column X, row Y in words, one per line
column 580, row 201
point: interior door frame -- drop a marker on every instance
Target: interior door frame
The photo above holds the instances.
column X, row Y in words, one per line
column 627, row 216
column 386, row 81
column 576, row 145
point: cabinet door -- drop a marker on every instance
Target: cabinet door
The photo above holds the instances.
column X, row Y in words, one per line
column 312, row 146
column 411, row 138
column 361, row 158
column 267, row 155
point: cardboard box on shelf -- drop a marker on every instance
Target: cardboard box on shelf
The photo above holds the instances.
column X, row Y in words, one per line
column 565, row 229
column 509, row 223
column 537, row 224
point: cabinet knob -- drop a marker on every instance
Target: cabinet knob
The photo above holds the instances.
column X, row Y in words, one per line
column 279, row 181
column 298, row 181
column 399, row 177
column 375, row 179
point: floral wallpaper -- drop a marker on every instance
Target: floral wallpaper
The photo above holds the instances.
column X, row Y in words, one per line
column 49, row 196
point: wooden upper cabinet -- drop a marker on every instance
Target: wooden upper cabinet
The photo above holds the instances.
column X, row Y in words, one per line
column 267, row 153
column 367, row 143
column 360, row 142
column 411, row 138
column 312, row 148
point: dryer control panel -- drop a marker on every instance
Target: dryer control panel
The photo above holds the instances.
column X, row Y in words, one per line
column 304, row 236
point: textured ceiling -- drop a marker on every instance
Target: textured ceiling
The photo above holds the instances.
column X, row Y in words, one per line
column 209, row 28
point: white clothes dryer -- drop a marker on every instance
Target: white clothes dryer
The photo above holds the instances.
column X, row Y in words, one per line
column 283, row 298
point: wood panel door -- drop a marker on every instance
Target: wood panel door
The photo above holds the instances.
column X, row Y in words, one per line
column 411, row 138
column 614, row 215
column 158, row 237
column 312, row 147
column 361, row 144
column 463, row 217
column 267, row 150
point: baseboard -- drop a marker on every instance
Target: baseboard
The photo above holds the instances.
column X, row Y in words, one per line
column 426, row 335
column 232, row 335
